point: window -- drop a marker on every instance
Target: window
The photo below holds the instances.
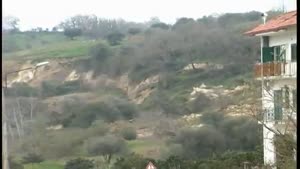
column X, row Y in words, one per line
column 278, row 104
column 294, row 52
column 279, row 53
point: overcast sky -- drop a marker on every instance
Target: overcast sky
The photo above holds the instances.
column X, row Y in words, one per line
column 48, row 13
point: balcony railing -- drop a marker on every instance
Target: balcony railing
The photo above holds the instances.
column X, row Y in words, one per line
column 276, row 69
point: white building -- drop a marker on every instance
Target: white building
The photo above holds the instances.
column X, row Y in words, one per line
column 277, row 71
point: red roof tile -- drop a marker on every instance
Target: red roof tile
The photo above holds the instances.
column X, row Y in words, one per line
column 280, row 22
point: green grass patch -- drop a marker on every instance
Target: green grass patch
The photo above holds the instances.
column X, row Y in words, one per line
column 45, row 165
column 143, row 146
column 27, row 40
column 66, row 49
column 109, row 90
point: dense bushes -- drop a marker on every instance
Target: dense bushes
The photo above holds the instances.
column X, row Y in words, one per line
column 115, row 38
column 22, row 89
column 100, row 54
column 218, row 134
column 201, row 143
column 130, row 161
column 129, row 133
column 228, row 160
column 14, row 164
column 54, row 88
column 105, row 146
column 200, row 103
column 79, row 163
column 61, row 143
column 32, row 158
column 108, row 109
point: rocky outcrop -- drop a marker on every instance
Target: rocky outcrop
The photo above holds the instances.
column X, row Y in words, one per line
column 215, row 92
column 208, row 66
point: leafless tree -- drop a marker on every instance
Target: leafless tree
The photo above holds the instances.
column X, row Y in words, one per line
column 285, row 135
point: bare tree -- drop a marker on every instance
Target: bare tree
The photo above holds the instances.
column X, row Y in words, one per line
column 21, row 112
column 283, row 127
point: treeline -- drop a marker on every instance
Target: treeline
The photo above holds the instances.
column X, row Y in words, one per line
column 166, row 49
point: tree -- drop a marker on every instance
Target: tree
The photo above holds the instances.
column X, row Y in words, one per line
column 94, row 27
column 283, row 137
column 153, row 20
column 72, row 32
column 79, row 163
column 100, row 54
column 54, row 29
column 11, row 23
column 134, row 31
column 182, row 21
column 39, row 29
column 106, row 146
column 115, row 38
column 160, row 25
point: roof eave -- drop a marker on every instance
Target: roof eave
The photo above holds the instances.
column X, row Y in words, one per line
column 270, row 31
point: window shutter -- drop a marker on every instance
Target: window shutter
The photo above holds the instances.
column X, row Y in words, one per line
column 278, row 104
column 268, row 54
column 294, row 52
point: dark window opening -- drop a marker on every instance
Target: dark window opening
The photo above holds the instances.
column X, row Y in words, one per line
column 278, row 99
column 294, row 52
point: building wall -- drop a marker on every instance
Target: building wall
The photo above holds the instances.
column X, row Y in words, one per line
column 268, row 108
column 286, row 38
column 269, row 147
column 283, row 38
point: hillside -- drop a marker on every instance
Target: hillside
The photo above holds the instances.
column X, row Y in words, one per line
column 157, row 92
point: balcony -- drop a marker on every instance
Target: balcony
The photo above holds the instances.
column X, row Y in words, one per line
column 276, row 69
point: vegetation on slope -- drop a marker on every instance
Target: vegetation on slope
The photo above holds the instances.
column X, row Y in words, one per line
column 83, row 127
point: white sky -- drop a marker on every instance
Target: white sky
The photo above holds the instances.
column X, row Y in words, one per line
column 48, row 13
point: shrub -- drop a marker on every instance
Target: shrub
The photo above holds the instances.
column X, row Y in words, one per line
column 129, row 134
column 134, row 31
column 200, row 143
column 131, row 161
column 68, row 87
column 22, row 89
column 115, row 38
column 13, row 164
column 128, row 110
column 49, row 88
column 79, row 163
column 201, row 103
column 54, row 88
column 106, row 146
column 32, row 158
column 109, row 109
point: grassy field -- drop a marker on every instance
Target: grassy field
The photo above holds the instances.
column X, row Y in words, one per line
column 148, row 148
column 28, row 40
column 45, row 165
column 68, row 49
